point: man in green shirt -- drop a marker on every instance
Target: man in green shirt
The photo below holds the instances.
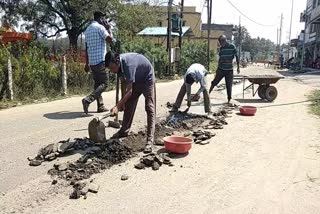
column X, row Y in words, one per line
column 225, row 67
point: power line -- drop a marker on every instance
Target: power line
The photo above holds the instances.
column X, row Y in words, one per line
column 248, row 17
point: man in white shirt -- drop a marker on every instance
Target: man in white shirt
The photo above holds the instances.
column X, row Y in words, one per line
column 195, row 73
column 97, row 35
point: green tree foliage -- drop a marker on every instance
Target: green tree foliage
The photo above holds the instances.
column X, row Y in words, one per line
column 48, row 18
column 259, row 48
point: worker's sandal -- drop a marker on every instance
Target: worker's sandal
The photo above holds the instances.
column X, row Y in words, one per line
column 119, row 134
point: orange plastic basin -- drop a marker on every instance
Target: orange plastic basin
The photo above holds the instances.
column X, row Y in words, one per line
column 176, row 144
column 248, row 110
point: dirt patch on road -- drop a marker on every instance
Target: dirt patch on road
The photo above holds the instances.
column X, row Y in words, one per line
column 98, row 157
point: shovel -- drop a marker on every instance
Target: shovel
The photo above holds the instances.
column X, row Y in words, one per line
column 96, row 129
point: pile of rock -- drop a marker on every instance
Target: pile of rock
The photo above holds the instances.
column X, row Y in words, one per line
column 154, row 161
column 96, row 158
column 202, row 137
column 82, row 189
column 55, row 150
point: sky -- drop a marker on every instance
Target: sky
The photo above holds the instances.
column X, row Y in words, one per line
column 266, row 12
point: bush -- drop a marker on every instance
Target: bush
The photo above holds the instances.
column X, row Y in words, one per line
column 37, row 75
column 315, row 105
column 192, row 52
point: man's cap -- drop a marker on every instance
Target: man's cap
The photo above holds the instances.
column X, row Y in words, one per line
column 99, row 14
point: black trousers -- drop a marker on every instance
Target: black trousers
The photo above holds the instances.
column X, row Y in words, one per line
column 228, row 76
column 100, row 77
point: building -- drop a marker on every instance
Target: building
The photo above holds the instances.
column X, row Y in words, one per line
column 311, row 35
column 193, row 29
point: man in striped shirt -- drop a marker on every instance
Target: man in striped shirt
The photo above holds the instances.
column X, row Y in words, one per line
column 225, row 67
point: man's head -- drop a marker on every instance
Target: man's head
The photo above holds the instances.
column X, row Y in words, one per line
column 189, row 79
column 112, row 61
column 99, row 16
column 222, row 40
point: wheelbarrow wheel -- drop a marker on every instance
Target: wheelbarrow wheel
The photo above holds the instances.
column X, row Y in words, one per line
column 271, row 93
column 262, row 91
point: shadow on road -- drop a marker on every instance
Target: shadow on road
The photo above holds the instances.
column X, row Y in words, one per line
column 251, row 101
column 65, row 115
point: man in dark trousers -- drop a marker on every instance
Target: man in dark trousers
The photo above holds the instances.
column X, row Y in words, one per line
column 196, row 73
column 97, row 35
column 225, row 65
column 137, row 73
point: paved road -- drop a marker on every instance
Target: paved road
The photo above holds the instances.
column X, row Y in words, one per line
column 263, row 164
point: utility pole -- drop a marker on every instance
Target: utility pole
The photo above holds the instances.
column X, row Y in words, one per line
column 209, row 4
column 278, row 38
column 280, row 33
column 240, row 34
column 180, row 34
column 289, row 47
column 169, row 34
column 304, row 37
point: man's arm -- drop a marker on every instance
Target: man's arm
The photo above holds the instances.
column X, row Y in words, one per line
column 106, row 34
column 87, row 68
column 120, row 105
column 238, row 61
column 188, row 89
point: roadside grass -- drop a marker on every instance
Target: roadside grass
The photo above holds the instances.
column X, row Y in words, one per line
column 315, row 105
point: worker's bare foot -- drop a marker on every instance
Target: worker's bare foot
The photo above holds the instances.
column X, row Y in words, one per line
column 147, row 148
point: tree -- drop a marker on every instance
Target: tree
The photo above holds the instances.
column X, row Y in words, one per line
column 10, row 10
column 259, row 48
column 51, row 17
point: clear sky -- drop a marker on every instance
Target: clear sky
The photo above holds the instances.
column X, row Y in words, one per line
column 266, row 12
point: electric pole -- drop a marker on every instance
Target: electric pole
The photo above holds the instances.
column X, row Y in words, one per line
column 209, row 5
column 180, row 34
column 289, row 47
column 240, row 34
column 304, row 37
column 169, row 34
column 280, row 33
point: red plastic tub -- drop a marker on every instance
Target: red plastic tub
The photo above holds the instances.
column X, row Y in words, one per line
column 176, row 144
column 248, row 110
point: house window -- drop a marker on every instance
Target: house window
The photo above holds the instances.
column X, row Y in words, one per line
column 160, row 23
column 314, row 4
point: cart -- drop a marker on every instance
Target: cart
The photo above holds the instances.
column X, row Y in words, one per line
column 265, row 90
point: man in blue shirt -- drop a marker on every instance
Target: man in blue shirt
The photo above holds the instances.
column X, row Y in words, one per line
column 137, row 73
column 97, row 35
column 225, row 65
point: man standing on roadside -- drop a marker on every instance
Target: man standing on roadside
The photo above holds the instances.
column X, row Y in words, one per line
column 195, row 73
column 225, row 65
column 138, row 74
column 97, row 35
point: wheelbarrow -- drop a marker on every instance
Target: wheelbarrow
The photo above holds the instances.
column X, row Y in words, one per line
column 265, row 90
